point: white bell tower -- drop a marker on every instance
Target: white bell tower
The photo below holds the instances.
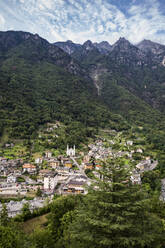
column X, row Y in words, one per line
column 71, row 151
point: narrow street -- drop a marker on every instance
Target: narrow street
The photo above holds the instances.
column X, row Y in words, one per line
column 79, row 167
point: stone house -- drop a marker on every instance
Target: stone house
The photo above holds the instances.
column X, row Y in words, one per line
column 54, row 164
column 38, row 160
column 48, row 154
column 11, row 178
column 30, row 168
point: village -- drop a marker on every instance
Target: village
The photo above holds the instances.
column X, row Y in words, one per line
column 69, row 174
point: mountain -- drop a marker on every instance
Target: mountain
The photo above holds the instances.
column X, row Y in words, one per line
column 34, row 48
column 155, row 49
column 85, row 88
column 40, row 83
column 104, row 47
column 135, row 70
column 68, row 46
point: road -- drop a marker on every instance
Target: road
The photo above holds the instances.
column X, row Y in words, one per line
column 80, row 168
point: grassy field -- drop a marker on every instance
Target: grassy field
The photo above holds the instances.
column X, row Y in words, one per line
column 37, row 222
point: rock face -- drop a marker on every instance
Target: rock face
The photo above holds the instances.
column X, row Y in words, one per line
column 35, row 49
column 104, row 47
column 68, row 46
column 139, row 69
column 149, row 46
column 153, row 49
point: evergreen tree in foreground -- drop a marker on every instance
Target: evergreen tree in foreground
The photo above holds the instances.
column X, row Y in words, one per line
column 115, row 214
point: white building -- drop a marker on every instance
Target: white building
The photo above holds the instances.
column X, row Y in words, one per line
column 30, row 168
column 48, row 154
column 11, row 178
column 50, row 181
column 139, row 150
column 70, row 151
column 135, row 177
column 129, row 142
column 38, row 160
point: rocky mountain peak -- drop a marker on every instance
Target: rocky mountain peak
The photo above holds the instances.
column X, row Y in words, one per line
column 67, row 46
column 69, row 41
column 103, row 47
column 150, row 46
column 88, row 45
column 122, row 43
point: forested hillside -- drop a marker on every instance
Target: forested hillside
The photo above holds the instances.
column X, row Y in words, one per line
column 37, row 87
column 87, row 88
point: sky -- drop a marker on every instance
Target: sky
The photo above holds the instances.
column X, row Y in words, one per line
column 81, row 20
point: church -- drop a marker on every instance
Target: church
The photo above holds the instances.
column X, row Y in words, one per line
column 70, row 151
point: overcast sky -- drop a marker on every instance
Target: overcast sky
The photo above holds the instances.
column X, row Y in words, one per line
column 81, row 20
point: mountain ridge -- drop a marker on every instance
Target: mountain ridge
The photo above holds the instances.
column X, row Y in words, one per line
column 88, row 84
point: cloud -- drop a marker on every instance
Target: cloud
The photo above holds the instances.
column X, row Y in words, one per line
column 2, row 22
column 82, row 20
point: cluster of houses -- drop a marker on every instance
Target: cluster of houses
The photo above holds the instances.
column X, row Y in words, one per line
column 15, row 207
column 9, row 166
column 56, row 177
column 62, row 175
column 99, row 153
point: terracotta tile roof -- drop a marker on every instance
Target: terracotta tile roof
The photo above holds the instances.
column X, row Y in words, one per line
column 29, row 166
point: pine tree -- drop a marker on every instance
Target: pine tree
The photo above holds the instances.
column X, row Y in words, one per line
column 39, row 192
column 25, row 212
column 115, row 214
column 4, row 219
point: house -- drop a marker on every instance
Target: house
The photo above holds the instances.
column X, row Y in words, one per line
column 135, row 177
column 80, row 178
column 17, row 173
column 139, row 150
column 54, row 164
column 61, row 169
column 75, row 186
column 68, row 164
column 50, row 181
column 42, row 173
column 129, row 142
column 3, row 160
column 38, row 160
column 30, row 168
column 97, row 174
column 62, row 176
column 11, row 178
column 88, row 166
column 86, row 159
column 9, row 145
column 48, row 154
column 97, row 166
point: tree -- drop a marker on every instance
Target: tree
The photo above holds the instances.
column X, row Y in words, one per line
column 10, row 233
column 41, row 239
column 61, row 207
column 4, row 219
column 39, row 192
column 26, row 214
column 11, row 237
column 115, row 214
